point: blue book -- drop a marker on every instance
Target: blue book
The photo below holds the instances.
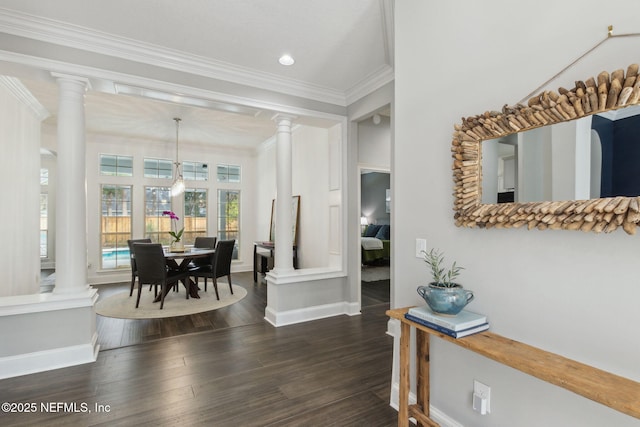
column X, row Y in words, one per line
column 449, row 332
column 463, row 320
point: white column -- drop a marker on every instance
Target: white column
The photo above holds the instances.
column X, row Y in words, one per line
column 71, row 206
column 283, row 261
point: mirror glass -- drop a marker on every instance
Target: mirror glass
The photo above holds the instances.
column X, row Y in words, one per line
column 592, row 157
column 564, row 160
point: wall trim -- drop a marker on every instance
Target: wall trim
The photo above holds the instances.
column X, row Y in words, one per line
column 304, row 275
column 76, row 37
column 434, row 413
column 23, row 95
column 40, row 361
column 290, row 317
column 38, row 303
column 372, row 82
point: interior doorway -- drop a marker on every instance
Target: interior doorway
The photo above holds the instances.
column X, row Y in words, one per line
column 375, row 177
column 375, row 251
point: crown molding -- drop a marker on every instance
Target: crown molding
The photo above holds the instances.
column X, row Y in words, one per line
column 387, row 14
column 22, row 94
column 77, row 37
column 372, row 82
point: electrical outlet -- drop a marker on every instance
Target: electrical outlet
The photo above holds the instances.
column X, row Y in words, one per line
column 481, row 397
column 421, row 245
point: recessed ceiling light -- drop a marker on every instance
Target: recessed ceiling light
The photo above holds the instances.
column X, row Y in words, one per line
column 286, row 60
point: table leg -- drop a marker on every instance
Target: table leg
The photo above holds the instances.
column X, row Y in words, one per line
column 190, row 287
column 422, row 344
column 403, row 404
column 255, row 263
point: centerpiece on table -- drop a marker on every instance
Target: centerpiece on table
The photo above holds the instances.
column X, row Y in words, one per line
column 176, row 235
column 443, row 295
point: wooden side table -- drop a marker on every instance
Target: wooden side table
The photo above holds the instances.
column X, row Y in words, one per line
column 614, row 391
column 262, row 263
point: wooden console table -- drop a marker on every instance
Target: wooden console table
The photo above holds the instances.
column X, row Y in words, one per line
column 619, row 393
column 260, row 261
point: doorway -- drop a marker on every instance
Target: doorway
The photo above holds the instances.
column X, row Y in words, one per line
column 374, row 159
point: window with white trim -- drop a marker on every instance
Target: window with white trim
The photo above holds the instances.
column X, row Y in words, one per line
column 229, row 217
column 114, row 165
column 158, row 168
column 195, row 171
column 228, row 173
column 156, row 225
column 195, row 214
column 115, row 226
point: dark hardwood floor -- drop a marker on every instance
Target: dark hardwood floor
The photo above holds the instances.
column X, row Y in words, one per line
column 223, row 368
column 114, row 333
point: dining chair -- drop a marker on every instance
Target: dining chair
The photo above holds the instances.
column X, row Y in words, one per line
column 134, row 268
column 152, row 270
column 204, row 243
column 221, row 266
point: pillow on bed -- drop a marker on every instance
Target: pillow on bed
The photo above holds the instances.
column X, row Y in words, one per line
column 372, row 230
column 384, row 233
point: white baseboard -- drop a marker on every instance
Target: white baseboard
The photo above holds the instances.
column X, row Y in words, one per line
column 434, row 413
column 40, row 361
column 306, row 314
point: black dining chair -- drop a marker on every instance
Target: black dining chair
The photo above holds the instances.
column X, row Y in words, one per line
column 152, row 270
column 203, row 243
column 134, row 268
column 221, row 266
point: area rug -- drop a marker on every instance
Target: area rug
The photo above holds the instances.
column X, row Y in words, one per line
column 122, row 306
column 374, row 273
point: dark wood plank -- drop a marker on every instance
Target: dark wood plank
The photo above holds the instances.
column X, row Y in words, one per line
column 226, row 367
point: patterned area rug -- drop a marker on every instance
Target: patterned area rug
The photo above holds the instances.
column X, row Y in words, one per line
column 375, row 273
column 122, row 306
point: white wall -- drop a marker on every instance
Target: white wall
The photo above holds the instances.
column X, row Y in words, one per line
column 545, row 288
column 310, row 181
column 19, row 224
column 374, row 143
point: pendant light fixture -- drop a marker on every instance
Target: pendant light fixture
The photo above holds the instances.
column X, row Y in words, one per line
column 178, row 184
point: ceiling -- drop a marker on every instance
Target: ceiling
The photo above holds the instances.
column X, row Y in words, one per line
column 342, row 50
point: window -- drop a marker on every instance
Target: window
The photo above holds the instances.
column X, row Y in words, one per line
column 229, row 217
column 195, row 214
column 157, row 226
column 195, row 171
column 158, row 168
column 115, row 225
column 44, row 225
column 113, row 165
column 228, row 173
column 44, row 176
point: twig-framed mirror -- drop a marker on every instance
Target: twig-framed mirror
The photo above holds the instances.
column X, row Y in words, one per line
column 600, row 213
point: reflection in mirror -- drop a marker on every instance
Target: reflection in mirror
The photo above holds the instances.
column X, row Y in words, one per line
column 588, row 184
column 589, row 158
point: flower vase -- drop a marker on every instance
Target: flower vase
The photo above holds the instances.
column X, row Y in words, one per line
column 447, row 301
column 177, row 247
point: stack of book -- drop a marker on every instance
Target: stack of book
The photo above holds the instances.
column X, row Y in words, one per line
column 463, row 324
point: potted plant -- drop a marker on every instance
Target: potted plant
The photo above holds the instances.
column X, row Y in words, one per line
column 176, row 235
column 443, row 295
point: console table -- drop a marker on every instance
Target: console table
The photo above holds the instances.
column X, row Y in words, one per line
column 619, row 393
column 263, row 260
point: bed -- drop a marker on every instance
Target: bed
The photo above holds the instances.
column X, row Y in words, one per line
column 376, row 244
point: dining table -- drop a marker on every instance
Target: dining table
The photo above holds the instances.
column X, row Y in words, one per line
column 180, row 261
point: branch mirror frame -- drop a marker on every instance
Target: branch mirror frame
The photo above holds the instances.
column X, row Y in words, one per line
column 592, row 96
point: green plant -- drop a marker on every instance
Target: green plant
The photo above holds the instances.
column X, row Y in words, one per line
column 176, row 235
column 434, row 259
